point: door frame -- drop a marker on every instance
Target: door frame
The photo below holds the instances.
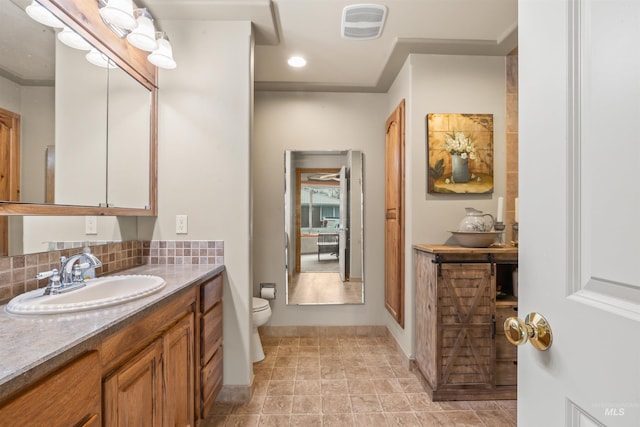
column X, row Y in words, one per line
column 10, row 164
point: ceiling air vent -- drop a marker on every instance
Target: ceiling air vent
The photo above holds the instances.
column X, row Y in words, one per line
column 363, row 21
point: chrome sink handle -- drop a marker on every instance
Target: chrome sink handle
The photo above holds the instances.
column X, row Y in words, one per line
column 54, row 285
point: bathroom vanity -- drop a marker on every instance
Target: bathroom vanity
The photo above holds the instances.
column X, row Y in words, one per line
column 153, row 361
column 463, row 296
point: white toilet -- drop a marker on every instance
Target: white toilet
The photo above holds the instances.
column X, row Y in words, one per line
column 261, row 313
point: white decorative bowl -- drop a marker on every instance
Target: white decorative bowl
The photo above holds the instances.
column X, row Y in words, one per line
column 475, row 239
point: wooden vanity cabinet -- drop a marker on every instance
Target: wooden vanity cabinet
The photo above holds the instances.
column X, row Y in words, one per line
column 162, row 369
column 209, row 344
column 68, row 397
column 461, row 350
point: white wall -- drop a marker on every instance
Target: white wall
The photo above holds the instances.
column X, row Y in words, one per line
column 317, row 121
column 204, row 132
column 37, row 120
column 443, row 84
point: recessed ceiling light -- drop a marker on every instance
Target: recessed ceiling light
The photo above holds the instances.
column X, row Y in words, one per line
column 297, row 61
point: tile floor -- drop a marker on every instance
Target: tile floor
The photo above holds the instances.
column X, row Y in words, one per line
column 347, row 381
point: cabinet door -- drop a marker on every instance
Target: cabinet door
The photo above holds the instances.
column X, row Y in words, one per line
column 133, row 394
column 466, row 300
column 69, row 397
column 178, row 360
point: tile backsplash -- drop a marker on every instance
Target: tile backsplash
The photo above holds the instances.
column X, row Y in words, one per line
column 17, row 273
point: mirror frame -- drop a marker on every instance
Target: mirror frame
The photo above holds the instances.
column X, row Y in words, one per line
column 82, row 16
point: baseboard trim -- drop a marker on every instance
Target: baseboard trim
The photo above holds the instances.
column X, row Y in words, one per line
column 322, row 331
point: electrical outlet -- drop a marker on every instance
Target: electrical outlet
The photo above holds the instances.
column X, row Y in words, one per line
column 90, row 225
column 181, row 224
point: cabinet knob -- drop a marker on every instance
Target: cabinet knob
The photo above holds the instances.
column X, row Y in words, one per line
column 534, row 329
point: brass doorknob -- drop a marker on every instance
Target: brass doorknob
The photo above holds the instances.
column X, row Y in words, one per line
column 534, row 329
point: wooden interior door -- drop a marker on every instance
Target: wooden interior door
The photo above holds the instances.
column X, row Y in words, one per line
column 9, row 169
column 394, row 215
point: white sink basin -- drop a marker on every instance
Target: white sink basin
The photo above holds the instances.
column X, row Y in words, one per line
column 98, row 293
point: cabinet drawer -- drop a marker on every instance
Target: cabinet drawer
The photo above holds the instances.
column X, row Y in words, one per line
column 211, row 381
column 504, row 349
column 506, row 372
column 211, row 333
column 210, row 293
column 69, row 397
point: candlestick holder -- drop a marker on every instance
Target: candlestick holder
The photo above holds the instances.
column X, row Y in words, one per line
column 499, row 226
column 514, row 234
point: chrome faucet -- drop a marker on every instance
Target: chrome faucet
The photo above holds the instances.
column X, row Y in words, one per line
column 70, row 275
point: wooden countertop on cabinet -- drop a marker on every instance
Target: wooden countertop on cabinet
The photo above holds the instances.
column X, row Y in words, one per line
column 462, row 297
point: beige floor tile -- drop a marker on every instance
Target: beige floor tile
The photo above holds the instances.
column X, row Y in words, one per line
column 274, row 420
column 242, row 420
column 285, row 362
column 334, row 387
column 373, row 419
column 277, row 405
column 332, row 373
column 402, row 419
column 280, row 388
column 386, row 386
column 254, row 406
column 307, row 404
column 496, row 418
column 298, row 420
column 365, row 403
column 347, row 379
column 308, row 373
column 337, row 420
column 465, row 419
column 361, row 386
column 336, row 404
column 396, row 402
column 434, row 419
column 306, row 387
column 283, row 374
column 422, row 402
column 214, row 421
column 411, row 385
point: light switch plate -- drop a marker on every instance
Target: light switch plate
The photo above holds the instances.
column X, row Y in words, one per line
column 90, row 225
column 181, row 224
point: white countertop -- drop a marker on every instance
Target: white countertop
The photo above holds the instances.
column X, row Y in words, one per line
column 30, row 344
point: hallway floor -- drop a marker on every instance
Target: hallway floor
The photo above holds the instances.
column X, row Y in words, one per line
column 347, row 381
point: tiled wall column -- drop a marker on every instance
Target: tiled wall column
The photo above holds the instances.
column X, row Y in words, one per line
column 512, row 139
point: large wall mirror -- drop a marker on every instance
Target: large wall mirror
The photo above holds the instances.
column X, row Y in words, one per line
column 86, row 142
column 324, row 230
column 86, row 133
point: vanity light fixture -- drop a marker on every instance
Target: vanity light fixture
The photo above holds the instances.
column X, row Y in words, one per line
column 297, row 62
column 144, row 35
column 119, row 13
column 73, row 39
column 41, row 14
column 100, row 59
column 162, row 57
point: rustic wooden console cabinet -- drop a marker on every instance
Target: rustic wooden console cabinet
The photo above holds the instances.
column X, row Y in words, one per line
column 463, row 296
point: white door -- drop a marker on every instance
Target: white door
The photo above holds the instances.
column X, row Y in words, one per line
column 343, row 229
column 579, row 198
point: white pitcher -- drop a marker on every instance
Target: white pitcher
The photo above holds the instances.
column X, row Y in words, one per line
column 476, row 221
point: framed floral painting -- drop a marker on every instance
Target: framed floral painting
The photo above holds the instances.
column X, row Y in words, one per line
column 460, row 153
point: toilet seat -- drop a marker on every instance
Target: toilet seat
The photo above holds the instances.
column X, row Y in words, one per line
column 260, row 304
